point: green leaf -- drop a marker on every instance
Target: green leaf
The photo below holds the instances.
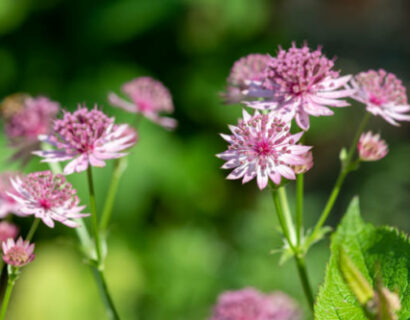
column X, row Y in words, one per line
column 376, row 253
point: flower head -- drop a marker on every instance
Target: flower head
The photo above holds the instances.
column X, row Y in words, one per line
column 262, row 147
column 247, row 71
column 301, row 82
column 299, row 169
column 383, row 94
column 48, row 197
column 250, row 304
column 18, row 253
column 149, row 97
column 371, row 147
column 7, row 203
column 86, row 137
column 8, row 230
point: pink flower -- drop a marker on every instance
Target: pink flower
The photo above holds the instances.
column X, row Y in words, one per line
column 299, row 169
column 48, row 197
column 301, row 82
column 247, row 71
column 18, row 253
column 8, row 230
column 7, row 203
column 250, row 304
column 371, row 147
column 383, row 94
column 86, row 137
column 149, row 97
column 261, row 146
column 25, row 119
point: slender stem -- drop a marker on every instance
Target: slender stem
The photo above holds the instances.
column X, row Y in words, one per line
column 299, row 208
column 307, row 289
column 6, row 299
column 286, row 213
column 94, row 218
column 102, row 285
column 33, row 229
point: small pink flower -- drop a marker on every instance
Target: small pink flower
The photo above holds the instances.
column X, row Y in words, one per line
column 301, row 82
column 247, row 71
column 18, row 253
column 48, row 197
column 383, row 94
column 7, row 203
column 299, row 169
column 250, row 304
column 8, row 230
column 149, row 97
column 86, row 137
column 371, row 147
column 262, row 147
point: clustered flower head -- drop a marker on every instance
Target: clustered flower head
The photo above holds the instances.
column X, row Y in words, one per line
column 149, row 97
column 262, row 147
column 383, row 94
column 250, row 304
column 86, row 137
column 7, row 203
column 371, row 148
column 8, row 230
column 48, row 197
column 17, row 253
column 247, row 71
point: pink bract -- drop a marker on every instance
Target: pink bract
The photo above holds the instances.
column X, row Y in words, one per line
column 8, row 230
column 48, row 197
column 262, row 147
column 86, row 137
column 383, row 94
column 17, row 253
column 301, row 82
column 7, row 203
column 149, row 97
column 371, row 147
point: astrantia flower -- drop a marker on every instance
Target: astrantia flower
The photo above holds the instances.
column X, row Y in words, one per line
column 371, row 147
column 247, row 71
column 8, row 230
column 383, row 94
column 25, row 118
column 262, row 147
column 299, row 169
column 7, row 203
column 18, row 253
column 301, row 82
column 86, row 137
column 250, row 304
column 48, row 197
column 149, row 97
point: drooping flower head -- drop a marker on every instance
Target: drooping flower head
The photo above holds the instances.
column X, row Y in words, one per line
column 299, row 169
column 25, row 118
column 383, row 94
column 8, row 230
column 371, row 147
column 48, row 197
column 149, row 97
column 262, row 147
column 250, row 304
column 17, row 253
column 247, row 71
column 301, row 82
column 7, row 203
column 86, row 137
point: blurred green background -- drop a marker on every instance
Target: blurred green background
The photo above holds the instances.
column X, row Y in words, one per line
column 181, row 233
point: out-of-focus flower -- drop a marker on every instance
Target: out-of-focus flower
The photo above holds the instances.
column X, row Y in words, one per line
column 17, row 253
column 250, row 304
column 8, row 230
column 48, row 197
column 247, row 71
column 25, row 118
column 383, row 94
column 262, row 147
column 299, row 169
column 301, row 82
column 86, row 137
column 371, row 147
column 7, row 203
column 149, row 97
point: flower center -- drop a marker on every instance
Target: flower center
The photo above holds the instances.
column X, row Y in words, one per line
column 262, row 148
column 17, row 255
column 44, row 203
column 376, row 100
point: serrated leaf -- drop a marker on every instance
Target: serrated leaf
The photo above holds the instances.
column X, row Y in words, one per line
column 376, row 252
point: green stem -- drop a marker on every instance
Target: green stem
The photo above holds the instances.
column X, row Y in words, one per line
column 94, row 218
column 299, row 208
column 286, row 213
column 307, row 289
column 102, row 285
column 119, row 168
column 33, row 229
column 7, row 294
